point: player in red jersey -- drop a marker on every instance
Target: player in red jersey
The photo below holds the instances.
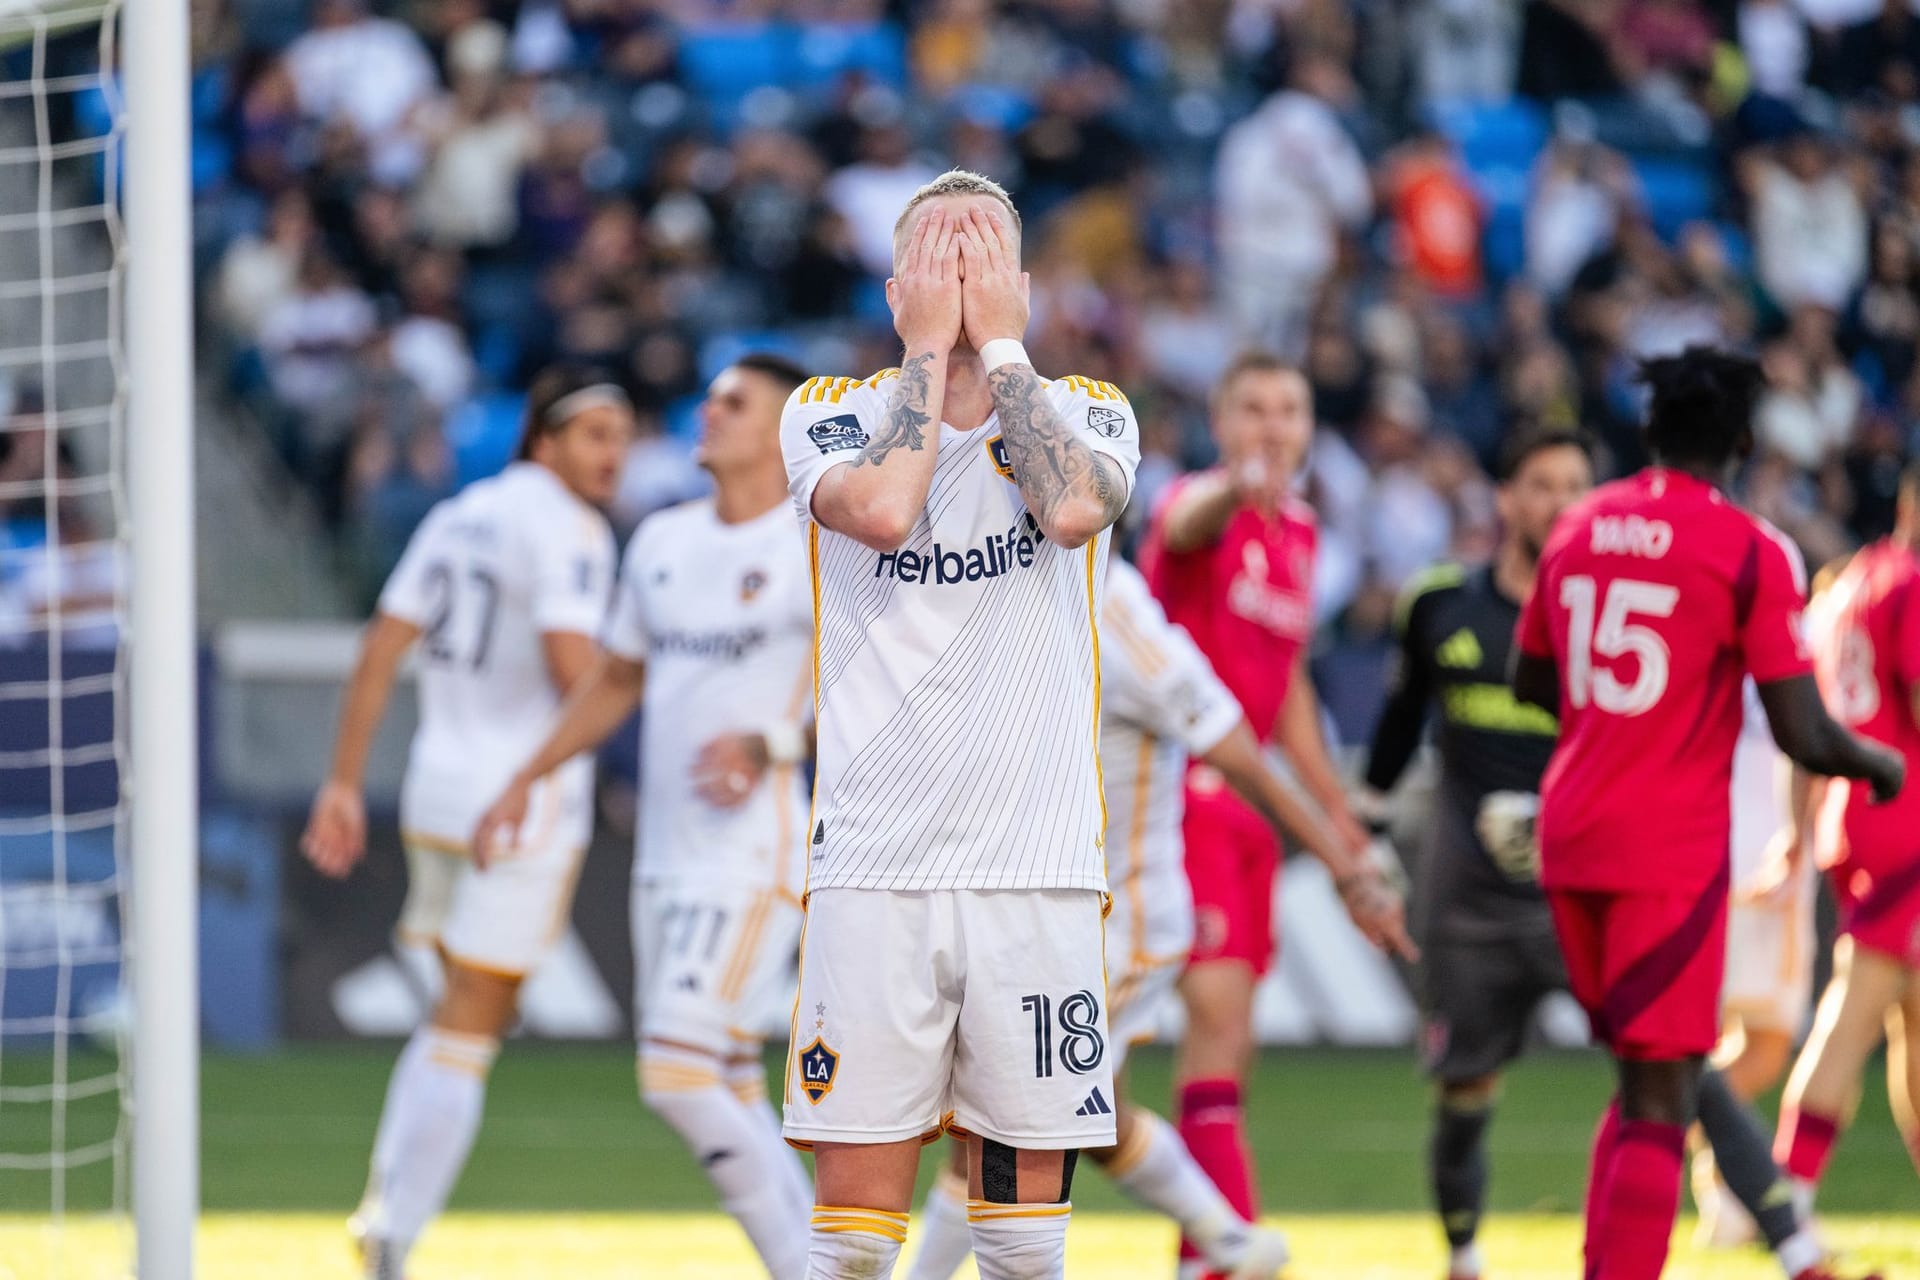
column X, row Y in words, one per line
column 1655, row 597
column 1230, row 555
column 1865, row 633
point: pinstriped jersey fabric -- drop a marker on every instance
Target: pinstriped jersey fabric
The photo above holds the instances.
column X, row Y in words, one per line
column 957, row 677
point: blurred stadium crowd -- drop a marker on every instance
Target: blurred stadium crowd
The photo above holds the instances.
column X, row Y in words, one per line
column 1461, row 215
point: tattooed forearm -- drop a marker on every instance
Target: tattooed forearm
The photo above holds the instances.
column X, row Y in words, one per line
column 1052, row 465
column 905, row 426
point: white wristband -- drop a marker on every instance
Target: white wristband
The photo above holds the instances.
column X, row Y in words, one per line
column 786, row 742
column 1001, row 351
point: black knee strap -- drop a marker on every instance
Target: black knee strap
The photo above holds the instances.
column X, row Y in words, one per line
column 999, row 1172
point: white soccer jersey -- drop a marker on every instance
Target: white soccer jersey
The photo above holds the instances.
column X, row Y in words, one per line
column 489, row 572
column 1758, row 794
column 959, row 695
column 722, row 615
column 1160, row 702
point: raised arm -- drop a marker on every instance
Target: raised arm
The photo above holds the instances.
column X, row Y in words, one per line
column 1299, row 735
column 877, row 496
column 1197, row 513
column 1375, row 908
column 1072, row 489
column 336, row 834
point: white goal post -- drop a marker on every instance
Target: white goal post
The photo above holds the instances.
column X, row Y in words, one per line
column 164, row 711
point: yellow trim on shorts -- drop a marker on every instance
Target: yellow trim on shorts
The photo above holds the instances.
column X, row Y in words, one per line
column 435, row 844
column 740, row 964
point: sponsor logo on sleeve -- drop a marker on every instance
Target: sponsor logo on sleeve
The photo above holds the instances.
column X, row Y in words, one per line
column 832, row 435
column 1108, row 422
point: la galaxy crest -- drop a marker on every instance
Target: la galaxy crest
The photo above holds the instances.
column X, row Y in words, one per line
column 752, row 584
column 819, row 1062
column 1002, row 461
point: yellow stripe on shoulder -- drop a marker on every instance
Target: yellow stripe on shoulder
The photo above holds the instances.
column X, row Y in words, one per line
column 881, row 377
column 1094, row 389
column 1435, row 577
column 832, row 390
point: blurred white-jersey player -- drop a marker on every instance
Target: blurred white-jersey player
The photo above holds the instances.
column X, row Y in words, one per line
column 1770, row 948
column 504, row 586
column 711, row 633
column 1160, row 703
column 957, row 515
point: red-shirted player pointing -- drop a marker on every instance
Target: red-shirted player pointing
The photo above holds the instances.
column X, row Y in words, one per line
column 1656, row 595
column 1230, row 556
column 1865, row 633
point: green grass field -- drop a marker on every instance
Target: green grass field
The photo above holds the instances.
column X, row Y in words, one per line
column 571, row 1178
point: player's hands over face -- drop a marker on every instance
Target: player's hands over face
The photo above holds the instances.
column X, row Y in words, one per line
column 727, row 769
column 926, row 290
column 498, row 830
column 995, row 289
column 336, row 834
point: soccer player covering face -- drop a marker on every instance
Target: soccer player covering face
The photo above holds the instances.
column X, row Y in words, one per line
column 711, row 634
column 1865, row 633
column 956, row 514
column 1488, row 952
column 503, row 587
column 1160, row 703
column 1230, row 555
column 1655, row 597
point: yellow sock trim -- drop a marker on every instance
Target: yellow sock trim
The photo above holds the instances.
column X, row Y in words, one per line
column 987, row 1211
column 1133, row 1150
column 874, row 1222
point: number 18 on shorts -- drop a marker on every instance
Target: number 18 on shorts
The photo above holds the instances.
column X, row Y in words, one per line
column 983, row 1012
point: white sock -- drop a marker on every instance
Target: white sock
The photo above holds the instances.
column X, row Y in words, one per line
column 1466, row 1260
column 1156, row 1169
column 741, row 1157
column 1019, row 1241
column 747, row 1078
column 945, row 1238
column 432, row 1113
column 854, row 1244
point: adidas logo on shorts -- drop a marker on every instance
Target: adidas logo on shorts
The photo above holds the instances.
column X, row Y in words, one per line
column 1095, row 1105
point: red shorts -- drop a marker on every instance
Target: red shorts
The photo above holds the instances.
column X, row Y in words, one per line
column 1880, row 910
column 1646, row 966
column 1232, row 858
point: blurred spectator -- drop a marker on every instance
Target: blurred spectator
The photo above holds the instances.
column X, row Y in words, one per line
column 1812, row 403
column 1581, row 191
column 366, row 72
column 1463, row 50
column 1883, row 326
column 1183, row 336
column 1463, row 398
column 1774, row 42
column 1667, row 37
column 1809, row 227
column 1290, row 184
column 871, row 193
column 1570, row 49
column 311, row 336
column 478, row 141
column 1436, row 215
column 1409, row 523
column 260, row 272
column 659, row 472
column 1880, row 53
column 427, row 342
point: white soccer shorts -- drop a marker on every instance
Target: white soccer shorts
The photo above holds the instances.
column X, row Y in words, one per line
column 1149, row 935
column 1770, row 945
column 713, row 962
column 501, row 920
column 983, row 1012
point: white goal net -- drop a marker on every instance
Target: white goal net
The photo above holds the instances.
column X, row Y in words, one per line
column 65, row 1118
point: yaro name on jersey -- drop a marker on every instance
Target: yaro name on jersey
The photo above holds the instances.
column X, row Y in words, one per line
column 1631, row 535
column 941, row 567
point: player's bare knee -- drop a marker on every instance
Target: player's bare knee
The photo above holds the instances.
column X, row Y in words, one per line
column 477, row 1002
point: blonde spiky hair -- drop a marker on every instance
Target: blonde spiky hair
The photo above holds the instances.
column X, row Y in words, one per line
column 954, row 182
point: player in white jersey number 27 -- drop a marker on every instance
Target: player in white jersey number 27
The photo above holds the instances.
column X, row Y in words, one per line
column 712, row 634
column 957, row 514
column 504, row 587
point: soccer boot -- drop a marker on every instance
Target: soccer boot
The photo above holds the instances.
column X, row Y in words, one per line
column 1265, row 1253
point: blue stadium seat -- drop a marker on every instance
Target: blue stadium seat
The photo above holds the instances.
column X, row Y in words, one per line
column 725, row 64
column 483, row 433
column 1678, row 191
column 1503, row 135
column 722, row 349
column 822, row 53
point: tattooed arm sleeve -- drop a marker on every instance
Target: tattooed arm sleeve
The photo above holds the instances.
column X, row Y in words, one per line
column 1073, row 450
column 860, row 458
